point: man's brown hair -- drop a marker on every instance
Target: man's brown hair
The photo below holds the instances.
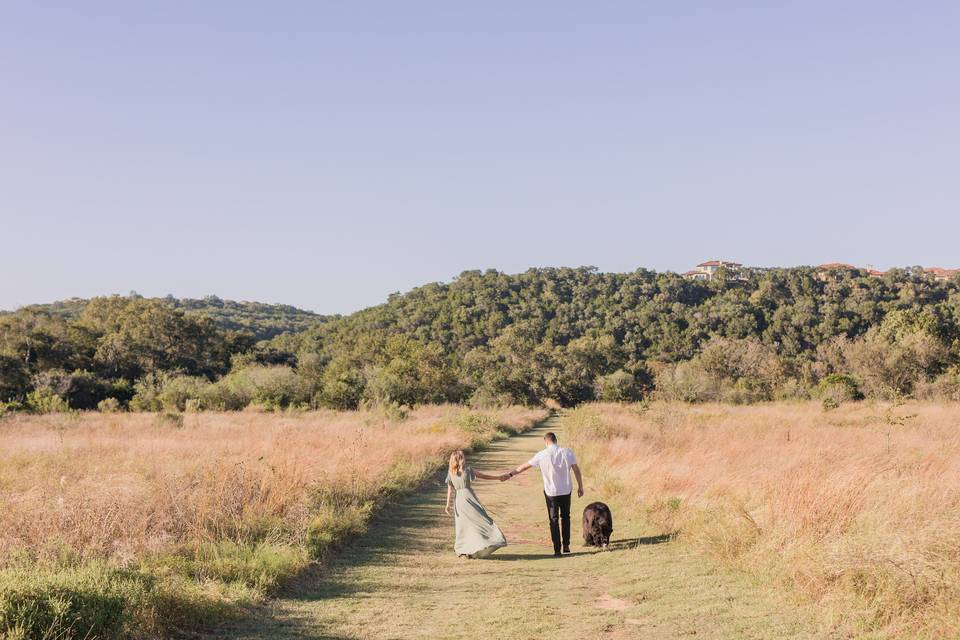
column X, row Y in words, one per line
column 551, row 436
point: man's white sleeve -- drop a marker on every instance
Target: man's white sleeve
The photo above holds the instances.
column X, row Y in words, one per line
column 535, row 460
column 572, row 459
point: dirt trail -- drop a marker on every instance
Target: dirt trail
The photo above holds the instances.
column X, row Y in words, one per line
column 403, row 580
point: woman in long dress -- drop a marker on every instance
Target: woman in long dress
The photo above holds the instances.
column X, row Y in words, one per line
column 477, row 534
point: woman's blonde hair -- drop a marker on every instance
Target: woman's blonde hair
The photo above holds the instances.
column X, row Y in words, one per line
column 458, row 462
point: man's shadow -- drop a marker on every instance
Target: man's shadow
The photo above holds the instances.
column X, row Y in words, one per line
column 615, row 545
column 510, row 557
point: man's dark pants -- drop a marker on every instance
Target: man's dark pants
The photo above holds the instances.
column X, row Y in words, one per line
column 558, row 510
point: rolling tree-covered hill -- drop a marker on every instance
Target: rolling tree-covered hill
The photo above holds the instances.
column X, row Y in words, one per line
column 576, row 334
column 561, row 334
column 262, row 321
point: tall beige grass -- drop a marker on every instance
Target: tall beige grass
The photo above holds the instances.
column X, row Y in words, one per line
column 238, row 500
column 857, row 508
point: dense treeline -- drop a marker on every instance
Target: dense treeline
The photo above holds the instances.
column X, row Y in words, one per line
column 262, row 321
column 82, row 354
column 576, row 334
column 568, row 335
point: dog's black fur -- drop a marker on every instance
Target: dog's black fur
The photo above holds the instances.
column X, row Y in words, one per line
column 597, row 525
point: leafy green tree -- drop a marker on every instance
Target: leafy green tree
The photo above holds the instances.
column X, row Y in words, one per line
column 144, row 336
column 342, row 386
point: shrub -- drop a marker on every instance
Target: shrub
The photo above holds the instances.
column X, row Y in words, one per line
column 747, row 391
column 46, row 401
column 748, row 365
column 792, row 389
column 685, row 382
column 179, row 390
column 276, row 387
column 108, row 405
column 618, row 386
column 838, row 388
column 270, row 387
column 891, row 358
column 166, row 392
column 735, row 371
column 477, row 423
column 227, row 394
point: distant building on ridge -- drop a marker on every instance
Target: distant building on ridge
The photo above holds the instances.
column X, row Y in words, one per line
column 942, row 275
column 825, row 272
column 706, row 270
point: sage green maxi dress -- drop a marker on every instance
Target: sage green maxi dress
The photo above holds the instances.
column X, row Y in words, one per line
column 477, row 534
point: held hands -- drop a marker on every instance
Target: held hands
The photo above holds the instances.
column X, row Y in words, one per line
column 504, row 477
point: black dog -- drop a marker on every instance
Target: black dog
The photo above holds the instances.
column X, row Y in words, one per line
column 597, row 525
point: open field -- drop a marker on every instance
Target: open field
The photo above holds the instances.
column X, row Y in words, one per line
column 780, row 520
column 136, row 524
column 855, row 510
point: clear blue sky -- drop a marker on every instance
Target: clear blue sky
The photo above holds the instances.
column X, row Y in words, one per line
column 326, row 154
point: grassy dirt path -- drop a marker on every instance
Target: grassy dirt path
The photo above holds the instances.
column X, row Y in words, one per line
column 403, row 580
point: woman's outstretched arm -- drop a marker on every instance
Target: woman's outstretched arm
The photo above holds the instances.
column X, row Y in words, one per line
column 485, row 476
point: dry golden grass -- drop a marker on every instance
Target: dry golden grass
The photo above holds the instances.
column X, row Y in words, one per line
column 115, row 485
column 235, row 498
column 857, row 508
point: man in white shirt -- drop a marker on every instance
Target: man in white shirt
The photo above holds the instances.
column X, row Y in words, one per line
column 555, row 464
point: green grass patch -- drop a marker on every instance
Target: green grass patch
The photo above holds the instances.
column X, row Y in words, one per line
column 96, row 601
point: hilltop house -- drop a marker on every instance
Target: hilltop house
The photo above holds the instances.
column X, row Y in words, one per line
column 824, row 270
column 706, row 270
column 942, row 275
